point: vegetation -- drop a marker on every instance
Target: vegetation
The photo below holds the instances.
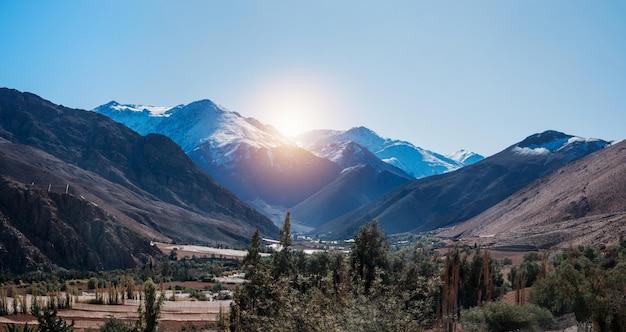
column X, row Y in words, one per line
column 48, row 320
column 376, row 286
column 588, row 282
column 117, row 325
column 500, row 316
column 371, row 289
column 151, row 310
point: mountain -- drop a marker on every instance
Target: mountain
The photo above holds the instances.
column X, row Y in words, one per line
column 146, row 183
column 42, row 229
column 582, row 203
column 355, row 187
column 413, row 160
column 364, row 178
column 251, row 159
column 447, row 199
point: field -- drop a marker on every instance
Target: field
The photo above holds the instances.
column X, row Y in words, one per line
column 177, row 315
column 185, row 250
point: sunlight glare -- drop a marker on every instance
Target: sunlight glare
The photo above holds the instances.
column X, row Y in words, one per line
column 294, row 103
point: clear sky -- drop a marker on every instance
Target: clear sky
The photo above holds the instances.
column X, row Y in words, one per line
column 443, row 75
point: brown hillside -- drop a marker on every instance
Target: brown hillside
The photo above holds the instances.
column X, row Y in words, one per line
column 583, row 203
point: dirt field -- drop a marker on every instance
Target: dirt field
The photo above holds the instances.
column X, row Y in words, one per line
column 184, row 250
column 174, row 315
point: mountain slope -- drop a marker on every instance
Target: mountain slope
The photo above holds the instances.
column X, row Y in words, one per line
column 356, row 187
column 364, row 178
column 450, row 198
column 42, row 229
column 249, row 158
column 583, row 203
column 411, row 159
column 182, row 202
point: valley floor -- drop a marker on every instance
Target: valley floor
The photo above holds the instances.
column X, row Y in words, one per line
column 175, row 315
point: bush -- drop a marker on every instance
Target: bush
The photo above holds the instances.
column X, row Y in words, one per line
column 507, row 261
column 117, row 325
column 194, row 294
column 500, row 316
column 92, row 283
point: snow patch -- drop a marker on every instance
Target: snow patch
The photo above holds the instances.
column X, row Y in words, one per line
column 531, row 151
column 154, row 111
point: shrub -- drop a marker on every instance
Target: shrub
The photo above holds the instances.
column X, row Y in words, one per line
column 92, row 283
column 500, row 316
column 117, row 325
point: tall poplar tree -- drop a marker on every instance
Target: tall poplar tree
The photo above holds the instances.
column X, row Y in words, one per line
column 283, row 264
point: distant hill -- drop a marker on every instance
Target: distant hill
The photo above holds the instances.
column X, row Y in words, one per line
column 447, row 199
column 582, row 203
column 146, row 183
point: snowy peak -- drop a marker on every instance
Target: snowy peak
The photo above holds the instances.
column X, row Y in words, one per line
column 199, row 122
column 154, row 111
column 365, row 137
column 465, row 157
column 552, row 141
column 411, row 159
column 340, row 152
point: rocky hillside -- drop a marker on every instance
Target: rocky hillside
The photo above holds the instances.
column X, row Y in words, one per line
column 42, row 229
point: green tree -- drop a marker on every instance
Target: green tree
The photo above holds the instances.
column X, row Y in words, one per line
column 253, row 300
column 151, row 311
column 283, row 264
column 48, row 319
column 369, row 254
column 250, row 262
column 584, row 284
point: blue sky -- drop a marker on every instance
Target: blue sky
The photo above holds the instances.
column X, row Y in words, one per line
column 444, row 75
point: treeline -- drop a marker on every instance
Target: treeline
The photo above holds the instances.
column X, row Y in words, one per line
column 369, row 289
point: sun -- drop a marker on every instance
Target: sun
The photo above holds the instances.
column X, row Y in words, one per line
column 294, row 110
column 293, row 103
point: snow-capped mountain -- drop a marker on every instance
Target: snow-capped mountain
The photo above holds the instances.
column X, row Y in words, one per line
column 274, row 173
column 251, row 159
column 411, row 159
column 199, row 122
column 550, row 142
column 363, row 179
column 348, row 154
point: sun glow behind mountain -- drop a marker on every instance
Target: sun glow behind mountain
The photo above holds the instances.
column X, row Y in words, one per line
column 294, row 103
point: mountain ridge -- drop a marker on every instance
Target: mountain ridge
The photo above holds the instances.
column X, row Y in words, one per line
column 411, row 159
column 582, row 203
column 450, row 198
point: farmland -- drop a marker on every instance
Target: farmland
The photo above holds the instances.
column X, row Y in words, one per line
column 183, row 314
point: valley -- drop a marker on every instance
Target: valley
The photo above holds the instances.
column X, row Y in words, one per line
column 178, row 195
